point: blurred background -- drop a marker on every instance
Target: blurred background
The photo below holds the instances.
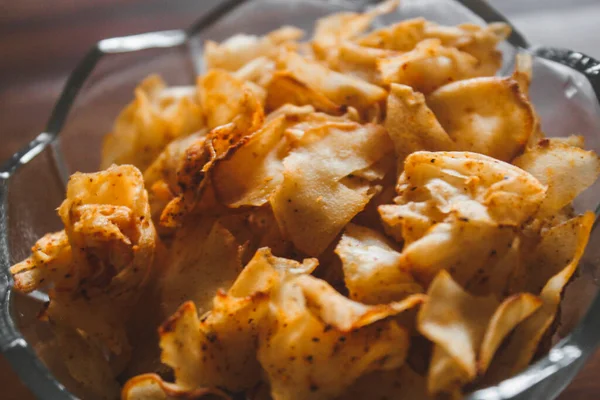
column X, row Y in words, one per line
column 40, row 43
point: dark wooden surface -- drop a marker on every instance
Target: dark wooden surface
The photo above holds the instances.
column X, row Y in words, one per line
column 40, row 42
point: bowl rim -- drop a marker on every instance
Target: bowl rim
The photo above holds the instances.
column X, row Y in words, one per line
column 571, row 352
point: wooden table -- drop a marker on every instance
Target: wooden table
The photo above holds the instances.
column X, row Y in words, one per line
column 40, row 42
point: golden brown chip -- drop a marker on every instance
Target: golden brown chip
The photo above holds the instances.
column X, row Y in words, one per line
column 522, row 344
column 252, row 170
column 204, row 257
column 314, row 201
column 402, row 36
column 428, row 66
column 49, row 261
column 412, row 125
column 157, row 116
column 479, row 194
column 246, row 115
column 339, row 88
column 284, row 88
column 565, row 170
column 223, row 97
column 475, row 40
column 312, row 341
column 371, row 266
column 217, row 351
column 240, row 49
column 450, row 320
column 332, row 29
column 507, row 316
column 491, row 116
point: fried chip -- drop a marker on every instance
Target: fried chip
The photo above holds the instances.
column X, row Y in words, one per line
column 339, row 88
column 522, row 344
column 240, row 49
column 246, row 114
column 449, row 319
column 371, row 266
column 428, row 66
column 223, row 97
column 314, row 201
column 191, row 273
column 469, row 186
column 491, row 116
column 332, row 29
column 507, row 316
column 565, row 170
column 412, row 125
column 284, row 88
column 466, row 337
column 480, row 42
column 311, row 337
column 252, row 170
column 156, row 117
column 217, row 350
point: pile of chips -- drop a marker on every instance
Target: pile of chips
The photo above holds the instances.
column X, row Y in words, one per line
column 368, row 214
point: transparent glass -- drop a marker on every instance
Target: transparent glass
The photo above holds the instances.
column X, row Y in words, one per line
column 564, row 92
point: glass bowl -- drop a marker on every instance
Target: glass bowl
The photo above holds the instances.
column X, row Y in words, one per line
column 565, row 91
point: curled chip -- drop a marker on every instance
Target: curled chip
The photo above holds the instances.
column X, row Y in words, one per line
column 491, row 116
column 253, row 170
column 566, row 170
column 428, row 66
column 240, row 49
column 190, row 273
column 466, row 337
column 318, row 196
column 523, row 342
column 316, row 332
column 339, row 88
column 372, row 269
column 97, row 267
column 156, row 117
column 412, row 126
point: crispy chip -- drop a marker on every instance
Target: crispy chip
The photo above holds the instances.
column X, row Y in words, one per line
column 412, row 125
column 371, row 265
column 332, row 29
column 490, row 116
column 284, row 88
column 468, row 187
column 522, row 344
column 314, row 201
column 312, row 343
column 506, row 317
column 449, row 319
column 466, row 337
column 252, row 170
column 339, row 88
column 475, row 40
column 191, row 273
column 156, row 117
column 240, row 49
column 218, row 350
column 428, row 66
column 566, row 170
